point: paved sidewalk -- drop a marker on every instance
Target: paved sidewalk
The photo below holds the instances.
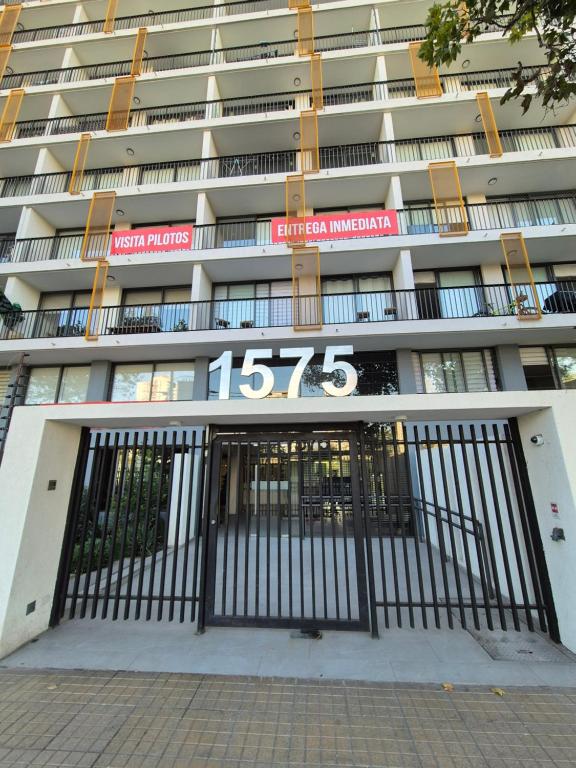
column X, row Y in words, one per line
column 146, row 720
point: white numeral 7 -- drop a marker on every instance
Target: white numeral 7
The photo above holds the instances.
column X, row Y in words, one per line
column 305, row 354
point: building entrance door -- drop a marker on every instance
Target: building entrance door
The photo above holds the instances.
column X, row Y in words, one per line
column 285, row 545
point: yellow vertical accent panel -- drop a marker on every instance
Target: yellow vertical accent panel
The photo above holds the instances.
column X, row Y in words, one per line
column 309, row 147
column 75, row 186
column 426, row 79
column 306, row 289
column 516, row 255
column 138, row 55
column 120, row 103
column 316, row 81
column 10, row 114
column 305, row 32
column 8, row 21
column 296, row 4
column 96, row 301
column 448, row 202
column 5, row 51
column 295, row 210
column 489, row 124
column 110, row 16
column 98, row 224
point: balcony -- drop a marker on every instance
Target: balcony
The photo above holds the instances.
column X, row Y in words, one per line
column 242, row 314
column 536, row 211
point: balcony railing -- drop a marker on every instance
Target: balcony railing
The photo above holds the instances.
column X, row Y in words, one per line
column 383, row 306
column 522, row 213
column 265, row 163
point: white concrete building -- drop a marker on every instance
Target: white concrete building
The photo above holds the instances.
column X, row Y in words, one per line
column 287, row 336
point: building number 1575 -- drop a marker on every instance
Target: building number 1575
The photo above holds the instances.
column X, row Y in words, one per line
column 302, row 356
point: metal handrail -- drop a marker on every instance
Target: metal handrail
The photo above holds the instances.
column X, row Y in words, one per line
column 283, row 311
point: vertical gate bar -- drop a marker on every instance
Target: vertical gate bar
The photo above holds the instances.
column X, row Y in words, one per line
column 435, row 602
column 227, row 521
column 115, row 503
column 395, row 448
column 311, row 518
column 361, row 591
column 268, row 523
column 248, row 520
column 93, row 485
column 459, row 504
column 438, row 517
column 279, row 528
column 541, row 578
column 125, row 527
column 190, row 506
column 176, row 547
column 210, row 532
column 391, row 535
column 152, row 576
column 450, row 526
column 149, row 486
column 322, row 536
column 512, row 523
column 237, row 528
column 488, row 527
column 363, row 465
column 507, row 571
column 258, row 528
column 333, row 526
column 344, row 533
column 290, row 577
column 483, row 564
column 164, row 555
column 73, row 518
column 107, row 505
column 301, row 522
column 133, row 554
column 97, row 496
column 408, row 470
column 378, row 446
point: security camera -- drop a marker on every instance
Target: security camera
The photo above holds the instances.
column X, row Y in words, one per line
column 537, row 440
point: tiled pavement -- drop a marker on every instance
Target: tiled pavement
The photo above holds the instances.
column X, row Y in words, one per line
column 146, row 720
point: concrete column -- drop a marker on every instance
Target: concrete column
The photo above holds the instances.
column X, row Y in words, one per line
column 59, row 108
column 552, row 471
column 200, row 388
column 209, row 169
column 21, row 292
column 387, row 134
column 403, row 279
column 406, row 376
column 47, row 163
column 213, row 95
column 201, row 295
column 510, row 370
column 80, row 15
column 394, row 199
column 380, row 77
column 99, row 381
column 32, row 520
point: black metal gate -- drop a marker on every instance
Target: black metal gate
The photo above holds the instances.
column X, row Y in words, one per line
column 285, row 537
column 349, row 527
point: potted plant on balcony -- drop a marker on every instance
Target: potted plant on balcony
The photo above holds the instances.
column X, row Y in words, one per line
column 11, row 313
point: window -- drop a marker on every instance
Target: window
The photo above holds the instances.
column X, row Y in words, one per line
column 63, row 314
column 454, row 371
column 537, row 368
column 357, row 298
column 68, row 384
column 149, row 381
column 246, row 305
column 158, row 309
column 565, row 358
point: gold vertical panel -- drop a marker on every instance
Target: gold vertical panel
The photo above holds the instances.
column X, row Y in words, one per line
column 309, row 147
column 426, row 79
column 110, row 16
column 306, row 289
column 316, row 81
column 75, row 186
column 8, row 21
column 96, row 301
column 295, row 4
column 98, row 224
column 138, row 55
column 305, row 32
column 448, row 202
column 295, row 210
column 489, row 124
column 10, row 114
column 120, row 103
column 516, row 255
column 5, row 51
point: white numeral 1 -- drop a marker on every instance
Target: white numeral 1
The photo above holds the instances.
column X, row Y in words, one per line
column 224, row 363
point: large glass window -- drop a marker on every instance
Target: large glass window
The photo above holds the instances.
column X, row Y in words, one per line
column 455, row 371
column 357, row 298
column 68, row 384
column 42, row 386
column 74, row 384
column 377, row 375
column 565, row 358
column 149, row 381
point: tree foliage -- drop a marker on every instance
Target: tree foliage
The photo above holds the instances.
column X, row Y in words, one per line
column 452, row 24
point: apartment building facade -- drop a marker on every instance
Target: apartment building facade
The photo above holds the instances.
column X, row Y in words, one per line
column 287, row 324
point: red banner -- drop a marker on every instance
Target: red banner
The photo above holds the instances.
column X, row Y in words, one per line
column 336, row 226
column 151, row 240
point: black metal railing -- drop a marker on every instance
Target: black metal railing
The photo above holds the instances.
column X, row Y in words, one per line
column 528, row 212
column 283, row 311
